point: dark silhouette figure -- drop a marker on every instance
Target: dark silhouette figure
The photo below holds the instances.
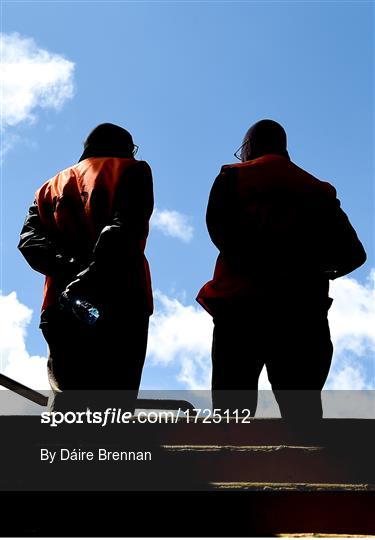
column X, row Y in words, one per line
column 86, row 232
column 282, row 236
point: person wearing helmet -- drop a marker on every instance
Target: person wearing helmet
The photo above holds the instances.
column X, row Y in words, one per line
column 282, row 235
column 86, row 232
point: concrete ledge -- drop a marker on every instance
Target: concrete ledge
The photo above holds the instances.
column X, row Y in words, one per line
column 300, row 487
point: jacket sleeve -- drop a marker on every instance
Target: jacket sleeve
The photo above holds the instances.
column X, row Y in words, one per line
column 40, row 251
column 120, row 241
column 344, row 251
column 221, row 214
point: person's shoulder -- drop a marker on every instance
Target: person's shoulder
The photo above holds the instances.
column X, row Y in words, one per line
column 260, row 163
column 142, row 165
column 68, row 171
column 138, row 171
column 322, row 187
column 328, row 189
column 124, row 168
column 230, row 170
column 136, row 167
column 135, row 175
column 235, row 166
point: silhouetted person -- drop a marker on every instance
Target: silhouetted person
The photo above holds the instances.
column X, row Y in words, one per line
column 86, row 232
column 282, row 236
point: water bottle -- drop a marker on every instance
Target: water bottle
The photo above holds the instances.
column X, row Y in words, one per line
column 83, row 310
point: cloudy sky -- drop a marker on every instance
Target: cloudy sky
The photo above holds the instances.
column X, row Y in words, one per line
column 187, row 79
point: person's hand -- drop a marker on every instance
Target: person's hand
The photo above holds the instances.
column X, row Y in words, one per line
column 66, row 270
column 72, row 301
column 66, row 266
column 74, row 288
column 83, row 286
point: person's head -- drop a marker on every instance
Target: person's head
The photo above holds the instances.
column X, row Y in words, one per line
column 264, row 137
column 109, row 140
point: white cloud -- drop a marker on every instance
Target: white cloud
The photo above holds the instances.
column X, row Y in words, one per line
column 345, row 375
column 16, row 362
column 172, row 223
column 180, row 335
column 180, row 339
column 352, row 315
column 352, row 323
column 31, row 78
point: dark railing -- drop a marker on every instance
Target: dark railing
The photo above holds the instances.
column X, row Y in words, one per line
column 41, row 399
column 24, row 391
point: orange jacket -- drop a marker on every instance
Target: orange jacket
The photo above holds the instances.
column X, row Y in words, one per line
column 97, row 212
column 280, row 231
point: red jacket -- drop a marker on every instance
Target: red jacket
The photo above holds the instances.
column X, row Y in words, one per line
column 96, row 212
column 281, row 235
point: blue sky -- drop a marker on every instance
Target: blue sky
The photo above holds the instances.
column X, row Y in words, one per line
column 187, row 79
